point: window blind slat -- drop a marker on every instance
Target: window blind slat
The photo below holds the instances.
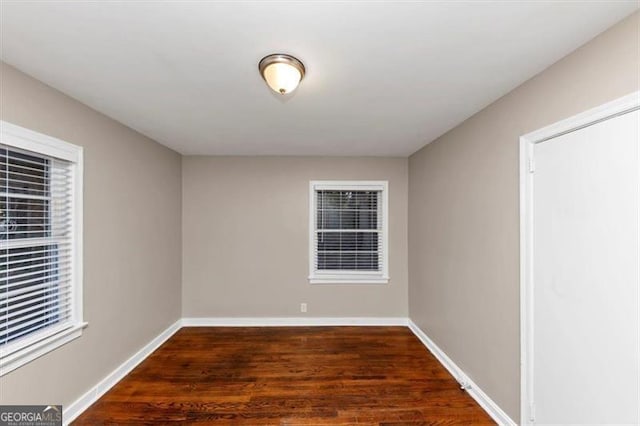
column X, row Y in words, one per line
column 47, row 313
column 49, row 264
column 32, row 259
column 12, row 180
column 40, row 222
column 50, row 301
column 33, row 281
column 15, row 165
column 18, row 279
column 47, row 322
column 31, row 243
column 13, row 156
column 22, row 294
column 26, row 297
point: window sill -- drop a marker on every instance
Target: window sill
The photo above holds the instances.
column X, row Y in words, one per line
column 349, row 280
column 20, row 357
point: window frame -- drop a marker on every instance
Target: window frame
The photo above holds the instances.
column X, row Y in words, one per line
column 43, row 341
column 349, row 276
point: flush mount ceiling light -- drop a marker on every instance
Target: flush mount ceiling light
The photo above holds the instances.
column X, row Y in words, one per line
column 282, row 72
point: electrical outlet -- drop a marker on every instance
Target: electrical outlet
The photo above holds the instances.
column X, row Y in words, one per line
column 303, row 307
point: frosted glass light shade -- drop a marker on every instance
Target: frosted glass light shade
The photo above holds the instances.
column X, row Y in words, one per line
column 282, row 78
column 282, row 72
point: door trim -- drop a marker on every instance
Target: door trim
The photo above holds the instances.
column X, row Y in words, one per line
column 609, row 110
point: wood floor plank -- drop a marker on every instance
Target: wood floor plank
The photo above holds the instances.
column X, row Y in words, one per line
column 288, row 376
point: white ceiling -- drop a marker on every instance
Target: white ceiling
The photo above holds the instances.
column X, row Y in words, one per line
column 383, row 79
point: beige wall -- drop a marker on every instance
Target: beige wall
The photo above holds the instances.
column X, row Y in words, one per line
column 246, row 233
column 464, row 218
column 131, row 242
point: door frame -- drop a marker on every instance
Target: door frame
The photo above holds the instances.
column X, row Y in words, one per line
column 601, row 113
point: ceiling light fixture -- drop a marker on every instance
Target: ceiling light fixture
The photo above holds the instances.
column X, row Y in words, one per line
column 282, row 72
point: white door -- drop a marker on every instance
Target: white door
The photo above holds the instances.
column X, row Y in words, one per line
column 585, row 275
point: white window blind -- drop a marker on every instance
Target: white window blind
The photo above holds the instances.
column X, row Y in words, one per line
column 38, row 251
column 348, row 238
column 35, row 227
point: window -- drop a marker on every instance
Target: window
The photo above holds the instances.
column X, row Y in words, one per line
column 40, row 245
column 348, row 232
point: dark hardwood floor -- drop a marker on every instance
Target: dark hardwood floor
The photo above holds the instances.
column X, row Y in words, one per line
column 288, row 376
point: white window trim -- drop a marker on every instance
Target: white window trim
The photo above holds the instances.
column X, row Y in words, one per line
column 39, row 344
column 349, row 277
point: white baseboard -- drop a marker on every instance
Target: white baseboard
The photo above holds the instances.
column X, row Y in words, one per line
column 291, row 321
column 78, row 406
column 472, row 389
